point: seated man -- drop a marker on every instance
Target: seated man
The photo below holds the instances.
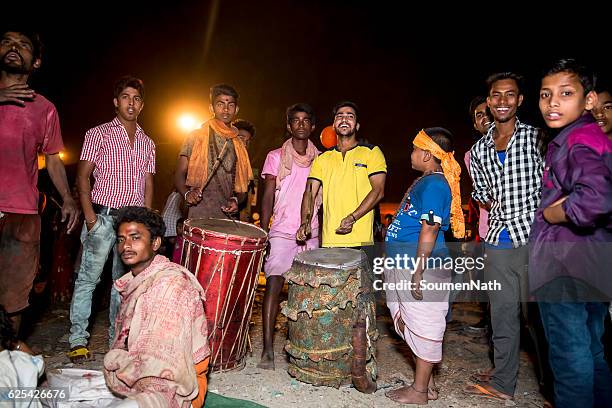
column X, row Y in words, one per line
column 160, row 351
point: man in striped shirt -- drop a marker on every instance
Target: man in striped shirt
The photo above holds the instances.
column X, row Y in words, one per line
column 506, row 167
column 121, row 158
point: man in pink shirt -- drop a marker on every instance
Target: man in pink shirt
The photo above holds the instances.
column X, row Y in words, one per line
column 121, row 158
column 29, row 125
column 285, row 173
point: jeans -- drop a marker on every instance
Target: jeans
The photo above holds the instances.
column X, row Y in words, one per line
column 574, row 331
column 97, row 245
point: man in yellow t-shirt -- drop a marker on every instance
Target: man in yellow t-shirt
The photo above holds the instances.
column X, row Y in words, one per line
column 352, row 177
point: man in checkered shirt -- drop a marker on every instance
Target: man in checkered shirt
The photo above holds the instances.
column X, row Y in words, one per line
column 506, row 167
column 121, row 158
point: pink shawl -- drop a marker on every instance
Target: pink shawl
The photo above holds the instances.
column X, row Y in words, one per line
column 160, row 335
column 290, row 156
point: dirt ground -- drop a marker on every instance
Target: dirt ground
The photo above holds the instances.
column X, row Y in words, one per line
column 463, row 354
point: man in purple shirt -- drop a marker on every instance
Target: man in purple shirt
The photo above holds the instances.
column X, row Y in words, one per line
column 571, row 238
column 29, row 125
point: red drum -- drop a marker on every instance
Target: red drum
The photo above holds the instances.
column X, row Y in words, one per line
column 226, row 257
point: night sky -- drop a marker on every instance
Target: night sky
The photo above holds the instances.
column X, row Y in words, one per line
column 406, row 68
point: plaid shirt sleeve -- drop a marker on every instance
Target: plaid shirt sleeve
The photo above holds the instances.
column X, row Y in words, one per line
column 91, row 145
column 480, row 190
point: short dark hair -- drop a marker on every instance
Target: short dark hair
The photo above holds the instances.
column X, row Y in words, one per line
column 479, row 100
column 223, row 89
column 37, row 45
column 343, row 104
column 142, row 215
column 443, row 138
column 131, row 82
column 245, row 125
column 499, row 76
column 572, row 66
column 301, row 107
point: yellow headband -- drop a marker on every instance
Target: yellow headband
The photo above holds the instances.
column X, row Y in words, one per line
column 452, row 172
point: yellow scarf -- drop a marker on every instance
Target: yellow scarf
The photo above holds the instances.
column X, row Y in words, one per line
column 197, row 172
column 452, row 172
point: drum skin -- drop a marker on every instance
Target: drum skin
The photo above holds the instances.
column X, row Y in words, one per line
column 226, row 258
column 323, row 305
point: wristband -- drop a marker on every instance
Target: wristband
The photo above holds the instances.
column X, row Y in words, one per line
column 354, row 218
column 91, row 222
column 185, row 195
column 234, row 199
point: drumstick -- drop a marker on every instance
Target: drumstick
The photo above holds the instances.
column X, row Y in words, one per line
column 230, row 217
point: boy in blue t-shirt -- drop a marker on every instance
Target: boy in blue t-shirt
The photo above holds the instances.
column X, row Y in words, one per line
column 430, row 206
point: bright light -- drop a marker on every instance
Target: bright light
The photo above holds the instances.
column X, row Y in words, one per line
column 62, row 155
column 188, row 122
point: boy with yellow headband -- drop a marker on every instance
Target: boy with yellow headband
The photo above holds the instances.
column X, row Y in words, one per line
column 431, row 205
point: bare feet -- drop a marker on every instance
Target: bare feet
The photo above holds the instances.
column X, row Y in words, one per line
column 267, row 361
column 408, row 395
column 432, row 390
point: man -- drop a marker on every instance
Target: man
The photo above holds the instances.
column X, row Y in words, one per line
column 285, row 173
column 602, row 111
column 506, row 167
column 29, row 125
column 352, row 178
column 246, row 131
column 160, row 356
column 171, row 213
column 122, row 159
column 213, row 170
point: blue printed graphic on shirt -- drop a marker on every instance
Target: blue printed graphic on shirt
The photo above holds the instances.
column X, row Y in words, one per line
column 429, row 200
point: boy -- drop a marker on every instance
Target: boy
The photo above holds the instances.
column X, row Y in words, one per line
column 428, row 208
column 213, row 174
column 160, row 355
column 121, row 158
column 285, row 173
column 569, row 235
column 602, row 111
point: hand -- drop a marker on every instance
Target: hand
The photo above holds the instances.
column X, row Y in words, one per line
column 559, row 201
column 346, row 225
column 193, row 197
column 16, row 94
column 303, row 232
column 231, row 208
column 70, row 212
column 416, row 293
column 90, row 225
column 554, row 213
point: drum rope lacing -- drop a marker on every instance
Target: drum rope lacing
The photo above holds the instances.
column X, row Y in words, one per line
column 242, row 339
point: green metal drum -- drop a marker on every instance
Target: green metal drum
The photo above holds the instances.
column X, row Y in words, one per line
column 326, row 298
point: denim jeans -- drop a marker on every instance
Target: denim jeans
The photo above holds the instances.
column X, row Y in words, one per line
column 574, row 331
column 97, row 245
